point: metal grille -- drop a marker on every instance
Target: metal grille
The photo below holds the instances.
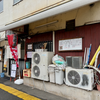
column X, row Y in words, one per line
column 73, row 77
column 36, row 71
column 69, row 61
column 38, row 45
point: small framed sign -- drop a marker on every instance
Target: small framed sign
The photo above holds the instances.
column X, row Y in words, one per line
column 29, row 47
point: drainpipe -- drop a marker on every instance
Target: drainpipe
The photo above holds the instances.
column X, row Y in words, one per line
column 54, row 42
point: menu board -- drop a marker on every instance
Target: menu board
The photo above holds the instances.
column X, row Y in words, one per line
column 70, row 44
column 13, row 70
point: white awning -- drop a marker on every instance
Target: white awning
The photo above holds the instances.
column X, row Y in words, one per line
column 48, row 13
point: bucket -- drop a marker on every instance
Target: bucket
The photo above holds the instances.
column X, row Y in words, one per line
column 2, row 75
column 28, row 65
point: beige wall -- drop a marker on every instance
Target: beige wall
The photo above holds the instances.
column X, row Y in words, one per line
column 65, row 91
column 26, row 8
column 81, row 16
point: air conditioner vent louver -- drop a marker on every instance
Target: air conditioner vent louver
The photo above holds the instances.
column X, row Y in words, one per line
column 36, row 71
column 36, row 58
column 73, row 77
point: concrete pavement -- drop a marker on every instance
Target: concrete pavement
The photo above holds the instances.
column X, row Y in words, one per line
column 28, row 90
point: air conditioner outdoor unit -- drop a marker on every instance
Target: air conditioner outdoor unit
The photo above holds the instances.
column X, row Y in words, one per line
column 40, row 63
column 77, row 62
column 80, row 78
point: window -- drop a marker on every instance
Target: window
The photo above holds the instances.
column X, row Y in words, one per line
column 39, row 45
column 16, row 1
column 1, row 6
column 70, row 25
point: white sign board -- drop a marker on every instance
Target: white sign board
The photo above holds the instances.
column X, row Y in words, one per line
column 29, row 54
column 13, row 67
column 70, row 44
column 13, row 73
column 13, row 70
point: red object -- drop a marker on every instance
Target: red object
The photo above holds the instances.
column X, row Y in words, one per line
column 25, row 57
column 13, row 40
column 98, row 87
column 25, row 74
column 13, row 49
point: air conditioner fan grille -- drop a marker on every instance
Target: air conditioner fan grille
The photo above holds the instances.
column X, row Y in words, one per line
column 36, row 58
column 73, row 77
column 36, row 71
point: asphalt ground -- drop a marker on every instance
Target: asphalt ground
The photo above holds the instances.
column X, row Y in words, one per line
column 11, row 91
column 7, row 96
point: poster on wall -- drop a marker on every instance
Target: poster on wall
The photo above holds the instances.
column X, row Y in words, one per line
column 70, row 44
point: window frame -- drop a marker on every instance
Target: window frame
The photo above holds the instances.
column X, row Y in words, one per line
column 2, row 6
column 16, row 2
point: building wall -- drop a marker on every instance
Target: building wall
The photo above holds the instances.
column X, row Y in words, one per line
column 88, row 33
column 24, row 9
column 65, row 91
column 40, row 37
column 81, row 15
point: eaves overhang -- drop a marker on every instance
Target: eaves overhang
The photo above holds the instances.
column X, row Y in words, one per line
column 73, row 4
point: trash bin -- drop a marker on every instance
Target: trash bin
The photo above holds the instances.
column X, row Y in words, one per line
column 2, row 75
column 28, row 65
column 52, row 73
column 59, row 75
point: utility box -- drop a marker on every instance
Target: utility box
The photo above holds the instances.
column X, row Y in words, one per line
column 52, row 73
column 59, row 75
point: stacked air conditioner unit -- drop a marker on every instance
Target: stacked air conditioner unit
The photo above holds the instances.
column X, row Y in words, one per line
column 80, row 78
column 40, row 63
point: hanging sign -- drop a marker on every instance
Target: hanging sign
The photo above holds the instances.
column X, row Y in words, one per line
column 13, row 49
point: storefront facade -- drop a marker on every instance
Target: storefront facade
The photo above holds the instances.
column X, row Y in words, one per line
column 54, row 27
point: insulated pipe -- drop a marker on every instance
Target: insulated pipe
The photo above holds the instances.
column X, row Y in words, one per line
column 73, row 4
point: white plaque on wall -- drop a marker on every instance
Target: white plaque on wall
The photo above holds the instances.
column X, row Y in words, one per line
column 29, row 54
column 70, row 44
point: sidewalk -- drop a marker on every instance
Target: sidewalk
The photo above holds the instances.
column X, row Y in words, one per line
column 34, row 92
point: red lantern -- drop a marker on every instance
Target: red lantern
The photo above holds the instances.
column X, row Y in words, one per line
column 13, row 40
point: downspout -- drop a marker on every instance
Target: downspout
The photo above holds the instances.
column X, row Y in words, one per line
column 54, row 42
